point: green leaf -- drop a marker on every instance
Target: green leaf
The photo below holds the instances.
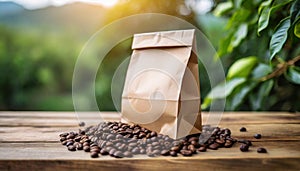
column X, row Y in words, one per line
column 279, row 37
column 223, row 46
column 238, row 36
column 293, row 74
column 295, row 11
column 240, row 16
column 297, row 29
column 222, row 8
column 242, row 67
column 206, row 103
column 257, row 100
column 263, row 5
column 264, row 12
column 224, row 89
column 239, row 96
column 261, row 70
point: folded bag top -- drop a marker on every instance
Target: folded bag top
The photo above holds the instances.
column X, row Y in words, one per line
column 161, row 90
column 163, row 39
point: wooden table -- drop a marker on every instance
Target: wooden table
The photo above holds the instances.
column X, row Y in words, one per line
column 29, row 141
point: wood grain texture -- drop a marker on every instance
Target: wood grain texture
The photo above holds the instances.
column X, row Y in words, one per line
column 29, row 141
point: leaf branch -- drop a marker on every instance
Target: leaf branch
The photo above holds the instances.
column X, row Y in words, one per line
column 281, row 68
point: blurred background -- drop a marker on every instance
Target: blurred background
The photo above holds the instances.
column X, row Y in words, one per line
column 40, row 41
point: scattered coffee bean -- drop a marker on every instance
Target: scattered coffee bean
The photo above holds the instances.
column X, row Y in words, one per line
column 95, row 150
column 243, row 129
column 68, row 143
column 86, row 148
column 128, row 154
column 125, row 140
column 112, row 151
column 81, row 124
column 261, row 150
column 244, row 147
column 94, row 154
column 70, row 136
column 186, row 152
column 173, row 153
column 118, row 154
column 165, row 152
column 71, row 148
column 103, row 152
column 202, row 149
column 257, row 136
column 79, row 146
column 214, row 146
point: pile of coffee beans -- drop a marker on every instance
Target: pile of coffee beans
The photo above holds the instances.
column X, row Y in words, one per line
column 119, row 140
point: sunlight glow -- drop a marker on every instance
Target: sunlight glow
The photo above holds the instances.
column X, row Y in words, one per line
column 36, row 4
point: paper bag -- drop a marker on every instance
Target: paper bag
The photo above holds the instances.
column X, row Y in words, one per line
column 161, row 90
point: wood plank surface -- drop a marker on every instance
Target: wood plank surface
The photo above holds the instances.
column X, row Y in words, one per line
column 29, row 141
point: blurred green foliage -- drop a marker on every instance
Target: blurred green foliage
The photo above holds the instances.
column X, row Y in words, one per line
column 36, row 70
column 262, row 44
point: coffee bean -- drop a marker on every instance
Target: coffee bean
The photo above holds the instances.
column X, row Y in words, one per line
column 70, row 136
column 63, row 139
column 81, row 124
column 257, row 136
column 193, row 139
column 228, row 144
column 118, row 136
column 244, row 147
column 86, row 148
column 261, row 150
column 142, row 151
column 64, row 142
column 192, row 148
column 94, row 145
column 127, row 154
column 135, row 150
column 155, row 143
column 109, row 144
column 77, row 139
column 173, row 153
column 95, row 150
column 110, row 137
column 202, row 149
column 186, row 152
column 81, row 132
column 64, row 134
column 156, row 152
column 112, row 151
column 103, row 152
column 87, row 140
column 165, row 152
column 227, row 131
column 79, row 146
column 132, row 144
column 69, row 143
column 118, row 154
column 220, row 141
column 153, row 134
column 94, row 154
column 71, row 148
column 214, row 146
column 86, row 144
column 243, row 129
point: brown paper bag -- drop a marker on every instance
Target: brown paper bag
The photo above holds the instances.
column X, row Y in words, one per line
column 161, row 90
